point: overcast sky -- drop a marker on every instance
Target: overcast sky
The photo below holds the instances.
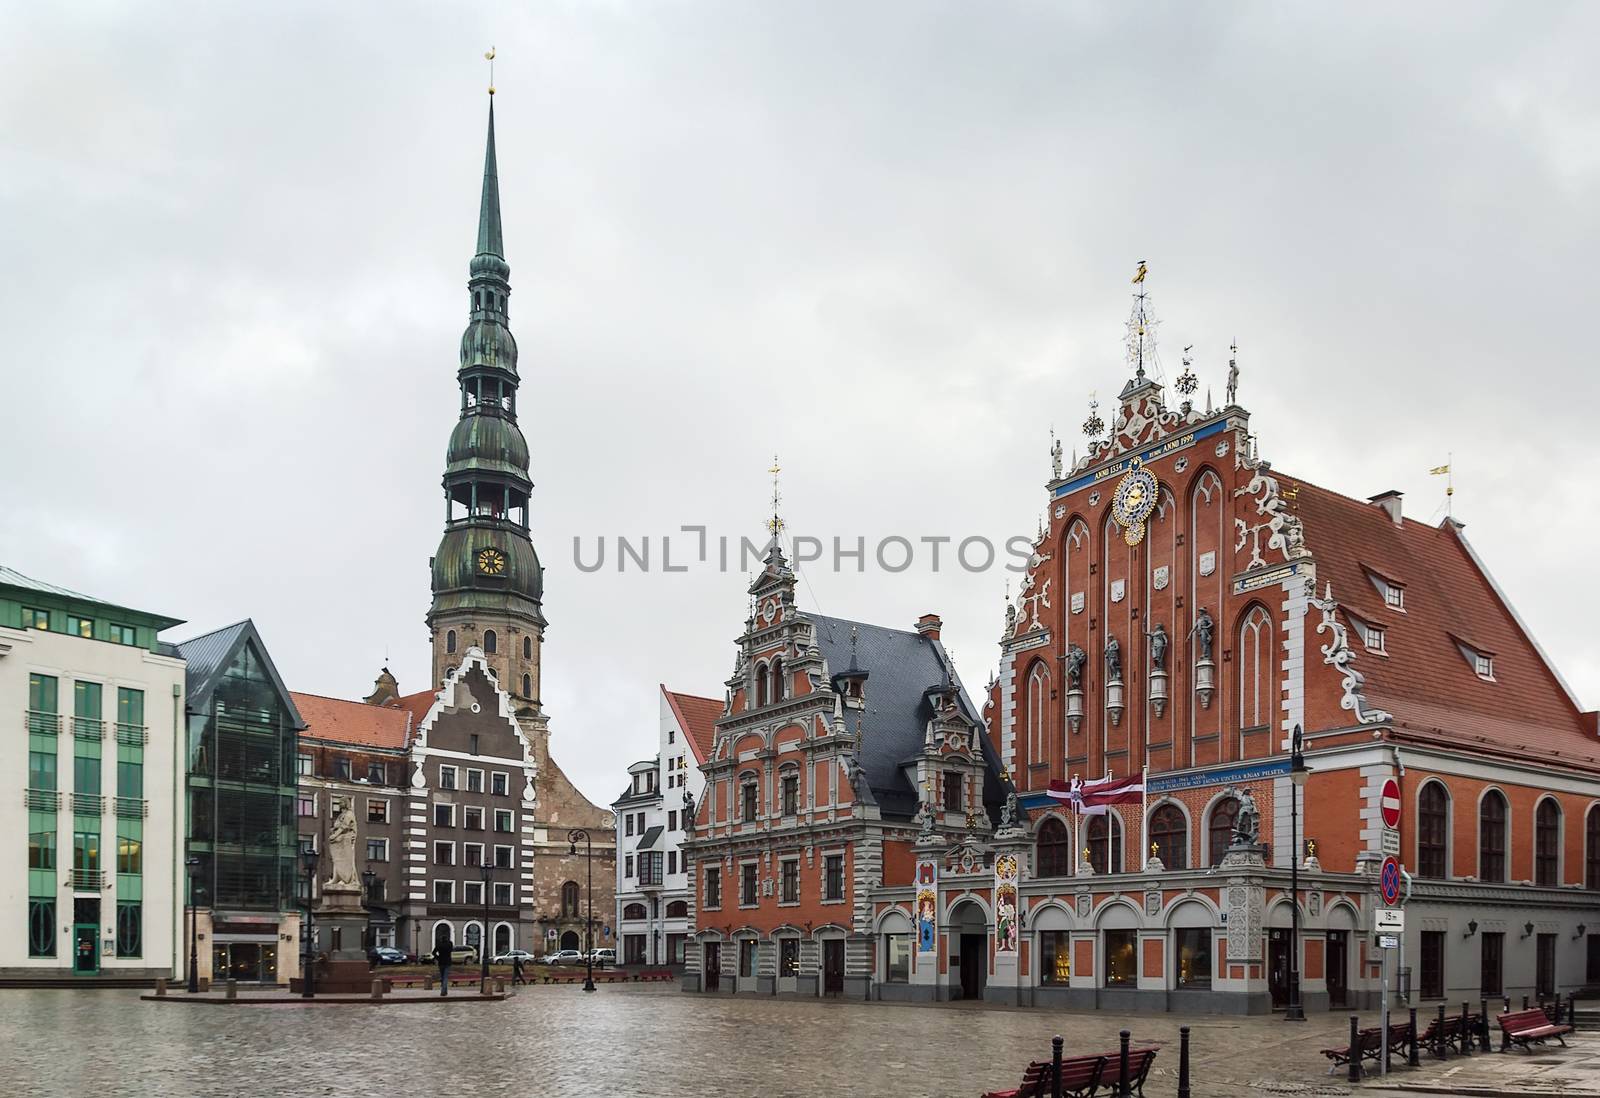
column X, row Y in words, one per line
column 890, row 242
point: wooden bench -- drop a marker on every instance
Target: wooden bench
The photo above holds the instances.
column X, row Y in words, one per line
column 1084, row 1076
column 1035, row 1083
column 1457, row 1034
column 1368, row 1046
column 1529, row 1027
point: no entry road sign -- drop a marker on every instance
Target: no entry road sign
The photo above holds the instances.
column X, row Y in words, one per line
column 1389, row 881
column 1389, row 803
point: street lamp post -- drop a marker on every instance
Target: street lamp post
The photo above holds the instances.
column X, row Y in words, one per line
column 1297, row 780
column 588, row 927
column 308, row 859
column 368, row 879
column 193, row 864
column 487, row 869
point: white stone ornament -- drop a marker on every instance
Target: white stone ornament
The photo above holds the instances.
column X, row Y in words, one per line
column 1094, row 499
column 1180, row 465
column 1161, row 577
column 1077, row 602
column 1222, row 448
column 1208, row 562
column 1061, row 512
column 1119, row 590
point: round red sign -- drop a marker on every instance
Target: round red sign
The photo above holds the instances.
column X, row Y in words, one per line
column 1389, row 802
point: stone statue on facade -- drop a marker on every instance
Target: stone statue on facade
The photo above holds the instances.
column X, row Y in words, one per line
column 342, row 851
column 1204, row 630
column 1158, row 648
column 1247, row 824
column 1076, row 658
column 1055, row 459
column 1113, row 660
column 1008, row 814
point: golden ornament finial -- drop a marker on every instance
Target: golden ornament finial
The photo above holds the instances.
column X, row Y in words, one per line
column 489, row 57
column 775, row 524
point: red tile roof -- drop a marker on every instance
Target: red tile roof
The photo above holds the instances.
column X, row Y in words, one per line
column 417, row 705
column 352, row 722
column 698, row 718
column 1424, row 680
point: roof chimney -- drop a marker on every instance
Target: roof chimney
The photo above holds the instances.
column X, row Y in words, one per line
column 1390, row 502
column 928, row 626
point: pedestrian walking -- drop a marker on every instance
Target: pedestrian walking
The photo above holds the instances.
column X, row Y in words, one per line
column 516, row 971
column 442, row 948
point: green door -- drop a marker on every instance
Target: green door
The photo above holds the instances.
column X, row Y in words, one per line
column 85, row 948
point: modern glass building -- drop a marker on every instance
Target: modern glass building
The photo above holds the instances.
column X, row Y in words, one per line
column 242, row 844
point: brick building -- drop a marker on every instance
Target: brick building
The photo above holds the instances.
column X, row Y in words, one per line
column 842, row 748
column 1187, row 607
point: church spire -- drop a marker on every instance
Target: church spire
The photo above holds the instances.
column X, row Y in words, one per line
column 489, row 241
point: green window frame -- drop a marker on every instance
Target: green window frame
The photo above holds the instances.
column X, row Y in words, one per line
column 130, row 777
column 41, row 927
column 43, row 695
column 86, row 708
column 86, row 851
column 42, row 770
column 80, row 627
column 34, row 618
column 86, row 775
column 130, row 706
column 130, row 855
column 42, row 850
column 124, row 634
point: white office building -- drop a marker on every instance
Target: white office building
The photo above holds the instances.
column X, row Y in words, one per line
column 652, row 917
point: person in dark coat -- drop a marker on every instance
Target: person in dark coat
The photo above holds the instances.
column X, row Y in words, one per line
column 516, row 971
column 442, row 948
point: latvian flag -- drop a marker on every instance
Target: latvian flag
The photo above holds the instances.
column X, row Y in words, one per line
column 1095, row 798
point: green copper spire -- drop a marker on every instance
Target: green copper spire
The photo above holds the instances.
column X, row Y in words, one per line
column 489, row 242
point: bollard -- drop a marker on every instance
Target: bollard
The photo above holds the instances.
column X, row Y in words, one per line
column 1466, row 1030
column 1123, row 1089
column 1505, row 1004
column 1055, row 1066
column 161, row 988
column 1524, row 1002
column 1355, row 1049
column 427, row 983
column 1183, row 1062
column 1441, row 1043
column 1412, row 1059
column 233, row 989
column 1557, row 1005
column 1483, row 1025
column 377, row 989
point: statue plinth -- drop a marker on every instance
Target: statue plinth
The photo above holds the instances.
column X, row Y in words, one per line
column 1246, row 856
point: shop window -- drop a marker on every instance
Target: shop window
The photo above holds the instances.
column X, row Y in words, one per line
column 1193, row 945
column 1055, row 957
column 1121, row 958
column 896, row 958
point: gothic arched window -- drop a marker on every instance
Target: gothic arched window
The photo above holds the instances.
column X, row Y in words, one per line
column 450, row 641
column 1105, row 843
column 1219, row 832
column 1038, row 713
column 527, row 648
column 1433, row 829
column 777, row 679
column 1053, row 856
column 1547, row 844
column 490, row 644
column 1169, row 835
column 1256, row 678
column 569, row 898
column 761, row 685
column 527, row 686
column 1492, row 837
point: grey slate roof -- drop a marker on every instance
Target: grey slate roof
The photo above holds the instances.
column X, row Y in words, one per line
column 10, row 577
column 208, row 655
column 902, row 666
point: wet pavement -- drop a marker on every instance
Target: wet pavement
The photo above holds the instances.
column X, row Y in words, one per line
column 622, row 1040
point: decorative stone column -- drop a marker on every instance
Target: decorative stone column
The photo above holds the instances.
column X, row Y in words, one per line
column 1009, row 980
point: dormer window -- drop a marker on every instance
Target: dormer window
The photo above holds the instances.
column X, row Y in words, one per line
column 1483, row 665
column 1373, row 637
column 1394, row 594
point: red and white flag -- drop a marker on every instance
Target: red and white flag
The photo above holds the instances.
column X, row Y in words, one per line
column 1095, row 798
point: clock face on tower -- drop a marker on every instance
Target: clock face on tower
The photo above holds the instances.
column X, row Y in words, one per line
column 491, row 562
column 1133, row 501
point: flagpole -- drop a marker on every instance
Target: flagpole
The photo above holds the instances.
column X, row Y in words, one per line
column 1144, row 809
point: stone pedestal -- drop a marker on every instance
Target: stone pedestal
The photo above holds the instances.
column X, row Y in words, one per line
column 342, row 918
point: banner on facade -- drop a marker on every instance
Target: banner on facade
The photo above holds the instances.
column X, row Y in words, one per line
column 1005, row 903
column 927, row 905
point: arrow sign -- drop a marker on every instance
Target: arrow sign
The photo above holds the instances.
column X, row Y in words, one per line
column 1389, row 881
column 1389, row 803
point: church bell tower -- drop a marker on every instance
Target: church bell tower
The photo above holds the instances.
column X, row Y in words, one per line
column 488, row 584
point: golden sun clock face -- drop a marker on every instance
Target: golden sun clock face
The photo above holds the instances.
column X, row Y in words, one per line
column 491, row 562
column 1133, row 501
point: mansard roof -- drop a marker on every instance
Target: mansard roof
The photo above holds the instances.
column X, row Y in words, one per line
column 697, row 717
column 1424, row 679
column 903, row 665
column 357, row 723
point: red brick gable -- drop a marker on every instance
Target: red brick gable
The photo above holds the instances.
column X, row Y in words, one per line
column 1424, row 680
column 354, row 722
column 698, row 718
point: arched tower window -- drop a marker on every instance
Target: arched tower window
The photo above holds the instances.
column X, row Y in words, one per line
column 527, row 686
column 1492, row 837
column 1105, row 843
column 1591, row 848
column 1547, row 844
column 527, row 648
column 1219, row 832
column 778, row 684
column 450, row 641
column 1038, row 713
column 1169, row 835
column 569, row 899
column 1054, row 853
column 1433, row 828
column 1256, row 678
column 490, row 641
column 761, row 685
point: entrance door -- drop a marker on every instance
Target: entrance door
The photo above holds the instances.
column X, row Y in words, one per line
column 1278, row 966
column 713, row 956
column 1546, row 976
column 974, row 965
column 85, row 952
column 833, row 966
column 1338, row 968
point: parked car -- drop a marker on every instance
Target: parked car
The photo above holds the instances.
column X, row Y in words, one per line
column 460, row 955
column 514, row 955
column 604, row 957
column 564, row 957
column 387, row 955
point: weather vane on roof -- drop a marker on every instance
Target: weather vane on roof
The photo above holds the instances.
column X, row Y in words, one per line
column 1141, row 327
column 489, row 57
column 1187, row 382
column 1094, row 424
column 775, row 524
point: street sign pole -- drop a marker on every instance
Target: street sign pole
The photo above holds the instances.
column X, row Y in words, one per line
column 1383, row 1061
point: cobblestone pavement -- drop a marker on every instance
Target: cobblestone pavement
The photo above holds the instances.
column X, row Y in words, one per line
column 624, row 1040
